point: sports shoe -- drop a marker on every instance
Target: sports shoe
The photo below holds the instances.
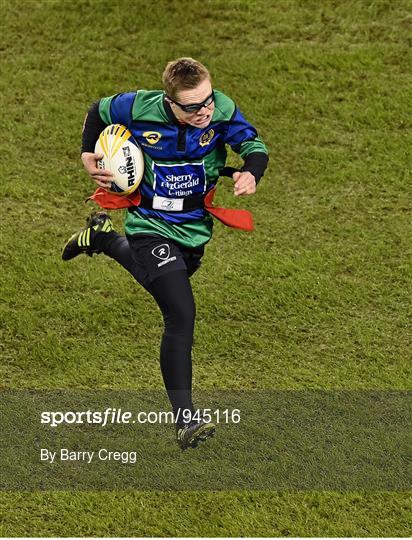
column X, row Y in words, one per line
column 190, row 434
column 82, row 241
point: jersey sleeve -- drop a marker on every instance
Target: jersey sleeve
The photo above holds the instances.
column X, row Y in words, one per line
column 117, row 109
column 244, row 140
column 242, row 136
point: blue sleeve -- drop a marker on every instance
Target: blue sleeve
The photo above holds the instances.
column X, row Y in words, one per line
column 117, row 109
column 242, row 136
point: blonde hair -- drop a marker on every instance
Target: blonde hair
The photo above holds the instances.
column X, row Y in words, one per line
column 183, row 74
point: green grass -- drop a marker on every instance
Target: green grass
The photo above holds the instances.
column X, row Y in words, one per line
column 317, row 297
column 207, row 514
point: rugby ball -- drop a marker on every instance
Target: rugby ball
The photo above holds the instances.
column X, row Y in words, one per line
column 122, row 156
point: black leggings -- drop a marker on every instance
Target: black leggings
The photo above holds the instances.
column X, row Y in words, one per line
column 173, row 294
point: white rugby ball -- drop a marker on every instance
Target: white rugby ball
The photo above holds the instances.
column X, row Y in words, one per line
column 122, row 156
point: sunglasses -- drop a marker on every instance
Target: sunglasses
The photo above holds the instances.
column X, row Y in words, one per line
column 194, row 107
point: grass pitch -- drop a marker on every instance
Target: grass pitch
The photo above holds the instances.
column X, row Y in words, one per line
column 317, row 297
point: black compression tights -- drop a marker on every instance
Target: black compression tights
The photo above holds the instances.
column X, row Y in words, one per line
column 173, row 294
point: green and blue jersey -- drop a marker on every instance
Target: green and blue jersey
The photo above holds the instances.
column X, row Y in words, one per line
column 180, row 160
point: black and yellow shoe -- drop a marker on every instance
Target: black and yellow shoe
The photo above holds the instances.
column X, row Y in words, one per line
column 83, row 241
column 189, row 435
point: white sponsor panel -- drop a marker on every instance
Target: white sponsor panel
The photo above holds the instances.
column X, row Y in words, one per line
column 170, row 205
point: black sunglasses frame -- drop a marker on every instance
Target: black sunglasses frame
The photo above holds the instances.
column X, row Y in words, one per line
column 194, row 107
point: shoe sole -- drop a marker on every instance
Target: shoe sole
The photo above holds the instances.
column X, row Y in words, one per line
column 202, row 434
column 66, row 251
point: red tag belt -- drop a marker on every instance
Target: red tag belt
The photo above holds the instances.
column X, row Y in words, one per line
column 238, row 219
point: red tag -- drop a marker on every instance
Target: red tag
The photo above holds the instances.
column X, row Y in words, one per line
column 111, row 201
column 238, row 219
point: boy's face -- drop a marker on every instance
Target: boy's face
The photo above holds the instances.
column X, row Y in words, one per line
column 201, row 95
